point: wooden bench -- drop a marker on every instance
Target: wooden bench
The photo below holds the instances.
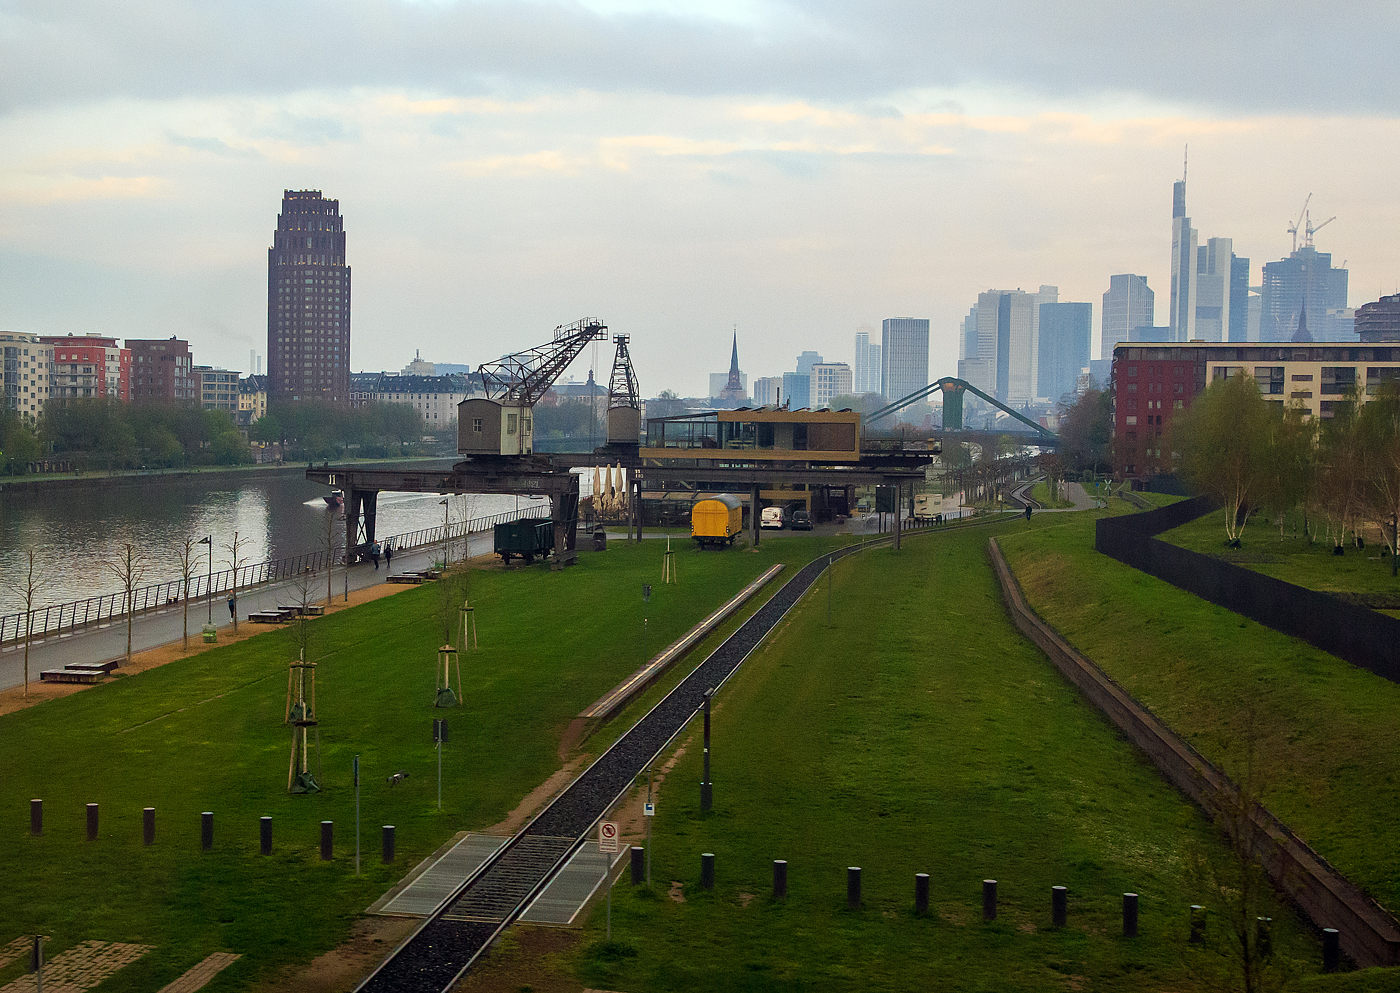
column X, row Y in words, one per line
column 310, row 609
column 71, row 675
column 407, row 577
column 268, row 616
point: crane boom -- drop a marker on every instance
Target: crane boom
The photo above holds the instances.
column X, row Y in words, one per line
column 1294, row 228
column 523, row 377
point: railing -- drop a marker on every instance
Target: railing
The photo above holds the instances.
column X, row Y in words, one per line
column 113, row 606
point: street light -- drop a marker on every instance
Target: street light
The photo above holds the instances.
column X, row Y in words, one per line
column 209, row 585
column 445, row 508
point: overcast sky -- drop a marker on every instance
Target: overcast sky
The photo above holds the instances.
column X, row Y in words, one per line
column 675, row 169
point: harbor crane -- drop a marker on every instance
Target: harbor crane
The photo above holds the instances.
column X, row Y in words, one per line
column 521, row 378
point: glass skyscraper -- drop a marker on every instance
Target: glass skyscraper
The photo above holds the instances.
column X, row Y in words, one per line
column 903, row 355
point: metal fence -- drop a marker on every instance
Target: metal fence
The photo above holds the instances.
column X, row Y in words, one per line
column 113, row 606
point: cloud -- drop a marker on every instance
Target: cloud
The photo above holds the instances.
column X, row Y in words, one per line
column 1244, row 57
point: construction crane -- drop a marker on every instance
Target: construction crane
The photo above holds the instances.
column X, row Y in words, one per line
column 1296, row 225
column 622, row 387
column 521, row 378
column 1308, row 232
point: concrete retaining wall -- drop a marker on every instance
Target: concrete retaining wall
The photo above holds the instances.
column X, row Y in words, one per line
column 1369, row 935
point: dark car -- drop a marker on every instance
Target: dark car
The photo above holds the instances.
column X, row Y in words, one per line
column 801, row 521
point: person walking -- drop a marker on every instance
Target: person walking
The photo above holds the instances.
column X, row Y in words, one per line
column 388, row 556
column 232, row 608
column 374, row 554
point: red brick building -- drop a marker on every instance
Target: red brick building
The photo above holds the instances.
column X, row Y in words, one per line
column 88, row 366
column 162, row 371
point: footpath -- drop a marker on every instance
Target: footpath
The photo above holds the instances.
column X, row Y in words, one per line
column 165, row 626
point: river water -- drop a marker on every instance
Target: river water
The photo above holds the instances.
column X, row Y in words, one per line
column 78, row 533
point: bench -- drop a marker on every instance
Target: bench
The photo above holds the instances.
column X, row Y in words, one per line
column 71, row 675
column 268, row 616
column 102, row 667
column 309, row 610
column 407, row 577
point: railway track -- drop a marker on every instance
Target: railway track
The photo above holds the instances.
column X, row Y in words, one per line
column 445, row 946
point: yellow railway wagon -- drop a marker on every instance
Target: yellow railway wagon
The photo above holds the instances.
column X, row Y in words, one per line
column 718, row 520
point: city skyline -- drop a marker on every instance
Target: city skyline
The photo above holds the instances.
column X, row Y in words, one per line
column 822, row 180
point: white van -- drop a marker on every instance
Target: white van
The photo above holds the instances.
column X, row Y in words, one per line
column 773, row 517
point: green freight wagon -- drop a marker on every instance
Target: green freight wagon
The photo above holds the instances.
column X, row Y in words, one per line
column 525, row 538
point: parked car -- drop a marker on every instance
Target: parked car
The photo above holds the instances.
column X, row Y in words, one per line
column 801, row 521
column 773, row 517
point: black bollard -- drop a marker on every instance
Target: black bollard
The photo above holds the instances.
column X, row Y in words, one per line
column 1059, row 906
column 706, row 790
column 36, row 817
column 779, row 878
column 206, row 830
column 852, row 887
column 1264, row 936
column 921, row 893
column 1130, row 901
column 639, row 865
column 989, row 899
column 1331, row 949
column 92, row 821
column 327, row 840
column 707, row 870
column 265, row 835
column 148, row 826
column 387, row 843
column 1198, row 924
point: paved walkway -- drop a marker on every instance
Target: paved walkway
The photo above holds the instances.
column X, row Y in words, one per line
column 164, row 626
column 80, row 968
column 199, row 976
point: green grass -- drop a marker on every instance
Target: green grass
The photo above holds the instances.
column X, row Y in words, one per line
column 919, row 733
column 207, row 734
column 1326, row 733
column 1040, row 493
column 1291, row 557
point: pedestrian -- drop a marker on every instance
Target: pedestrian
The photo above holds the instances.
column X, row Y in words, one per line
column 388, row 556
column 1028, row 511
column 374, row 554
column 232, row 608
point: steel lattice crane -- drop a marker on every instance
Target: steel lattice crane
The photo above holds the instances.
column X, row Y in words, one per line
column 522, row 377
column 622, row 387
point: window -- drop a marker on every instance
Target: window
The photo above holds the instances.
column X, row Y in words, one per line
column 1338, row 379
column 1132, row 387
column 1132, row 370
column 1130, row 420
column 1227, row 371
column 1178, row 405
column 510, row 423
column 1302, row 379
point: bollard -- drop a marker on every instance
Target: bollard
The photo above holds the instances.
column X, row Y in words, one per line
column 1264, row 936
column 1130, row 901
column 92, row 821
column 387, row 843
column 1331, row 949
column 148, row 826
column 639, row 865
column 327, row 840
column 1198, row 924
column 852, row 887
column 779, row 878
column 206, row 830
column 989, row 899
column 707, row 870
column 36, row 817
column 921, row 893
column 265, row 834
column 1059, row 906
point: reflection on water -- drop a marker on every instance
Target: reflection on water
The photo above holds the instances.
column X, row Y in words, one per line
column 77, row 534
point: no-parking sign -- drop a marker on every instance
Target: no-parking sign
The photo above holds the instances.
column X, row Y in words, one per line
column 607, row 837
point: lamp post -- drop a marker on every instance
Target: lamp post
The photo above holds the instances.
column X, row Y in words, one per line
column 446, row 507
column 209, row 585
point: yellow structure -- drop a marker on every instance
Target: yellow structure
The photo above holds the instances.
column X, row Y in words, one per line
column 718, row 520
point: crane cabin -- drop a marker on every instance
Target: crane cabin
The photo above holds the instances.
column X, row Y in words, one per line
column 493, row 427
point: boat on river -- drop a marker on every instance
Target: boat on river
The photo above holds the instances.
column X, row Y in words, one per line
column 335, row 499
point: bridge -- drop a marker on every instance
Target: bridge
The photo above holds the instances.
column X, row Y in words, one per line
column 953, row 390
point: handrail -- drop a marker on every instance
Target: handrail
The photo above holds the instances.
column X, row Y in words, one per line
column 56, row 618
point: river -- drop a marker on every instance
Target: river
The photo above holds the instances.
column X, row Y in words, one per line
column 78, row 532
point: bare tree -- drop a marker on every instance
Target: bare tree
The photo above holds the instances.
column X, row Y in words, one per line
column 27, row 590
column 236, row 561
column 330, row 540
column 187, row 566
column 130, row 569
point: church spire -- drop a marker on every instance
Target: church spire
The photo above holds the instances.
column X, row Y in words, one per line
column 734, row 388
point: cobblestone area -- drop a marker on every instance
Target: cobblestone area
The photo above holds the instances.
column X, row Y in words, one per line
column 198, row 977
column 80, row 968
column 20, row 946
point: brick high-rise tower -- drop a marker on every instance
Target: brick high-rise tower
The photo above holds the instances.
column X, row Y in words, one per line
column 308, row 302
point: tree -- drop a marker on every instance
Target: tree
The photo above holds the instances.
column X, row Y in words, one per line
column 666, row 404
column 130, row 569
column 236, row 561
column 1086, row 431
column 28, row 590
column 1225, row 443
column 187, row 560
column 1379, row 430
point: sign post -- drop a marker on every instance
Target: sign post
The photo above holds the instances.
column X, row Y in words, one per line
column 357, row 814
column 607, row 845
column 36, row 962
column 649, row 811
column 439, row 736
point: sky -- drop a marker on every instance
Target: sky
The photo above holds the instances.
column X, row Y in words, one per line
column 678, row 170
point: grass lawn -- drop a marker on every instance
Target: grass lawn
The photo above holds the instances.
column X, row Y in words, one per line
column 1326, row 733
column 207, row 734
column 1040, row 493
column 919, row 733
column 1290, row 557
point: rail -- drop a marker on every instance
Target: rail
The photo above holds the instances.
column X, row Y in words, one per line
column 70, row 616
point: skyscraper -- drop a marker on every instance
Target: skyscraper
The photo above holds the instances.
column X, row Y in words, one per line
column 1182, row 317
column 1008, row 340
column 904, row 355
column 1065, row 329
column 1239, row 299
column 1128, row 304
column 1204, row 278
column 867, row 370
column 1214, row 280
column 1306, row 281
column 308, row 302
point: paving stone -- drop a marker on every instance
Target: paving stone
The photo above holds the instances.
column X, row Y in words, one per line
column 198, row 977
